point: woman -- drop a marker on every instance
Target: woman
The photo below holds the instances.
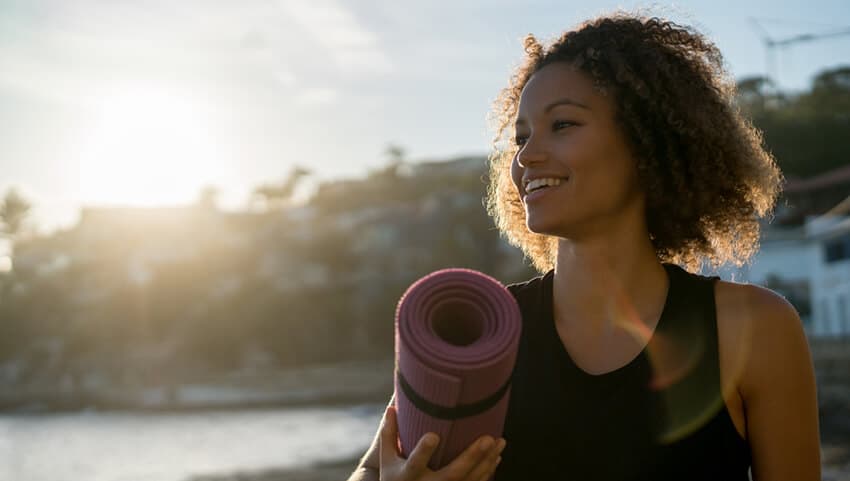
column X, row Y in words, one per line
column 621, row 161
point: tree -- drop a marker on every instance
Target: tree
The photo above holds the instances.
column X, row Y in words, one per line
column 806, row 132
column 757, row 94
column 395, row 153
column 277, row 195
column 13, row 330
column 13, row 212
column 830, row 95
column 395, row 161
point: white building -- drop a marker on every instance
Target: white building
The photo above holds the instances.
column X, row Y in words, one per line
column 810, row 266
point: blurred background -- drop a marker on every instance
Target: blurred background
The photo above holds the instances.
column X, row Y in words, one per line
column 210, row 209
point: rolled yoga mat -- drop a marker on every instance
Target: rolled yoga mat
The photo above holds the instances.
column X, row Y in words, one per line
column 456, row 337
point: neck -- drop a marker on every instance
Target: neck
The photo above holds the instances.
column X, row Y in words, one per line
column 610, row 284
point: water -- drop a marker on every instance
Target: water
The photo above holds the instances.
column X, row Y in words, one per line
column 96, row 446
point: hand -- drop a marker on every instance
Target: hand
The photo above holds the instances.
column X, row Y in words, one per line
column 477, row 462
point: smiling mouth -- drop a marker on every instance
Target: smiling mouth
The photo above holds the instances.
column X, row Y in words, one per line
column 537, row 188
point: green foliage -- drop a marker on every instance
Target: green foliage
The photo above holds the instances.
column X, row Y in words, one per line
column 13, row 212
column 170, row 291
column 808, row 132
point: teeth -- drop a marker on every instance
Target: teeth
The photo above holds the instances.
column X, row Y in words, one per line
column 541, row 183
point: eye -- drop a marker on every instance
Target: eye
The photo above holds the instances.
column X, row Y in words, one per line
column 520, row 140
column 562, row 124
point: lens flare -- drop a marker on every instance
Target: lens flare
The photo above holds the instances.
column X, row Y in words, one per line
column 688, row 388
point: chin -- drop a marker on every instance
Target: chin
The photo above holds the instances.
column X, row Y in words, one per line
column 541, row 226
column 551, row 226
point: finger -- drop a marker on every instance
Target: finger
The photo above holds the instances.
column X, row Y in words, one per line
column 460, row 467
column 485, row 469
column 418, row 460
column 487, row 466
column 389, row 437
column 489, row 474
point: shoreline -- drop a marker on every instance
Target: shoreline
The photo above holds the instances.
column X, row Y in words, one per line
column 80, row 405
column 326, row 385
column 325, row 471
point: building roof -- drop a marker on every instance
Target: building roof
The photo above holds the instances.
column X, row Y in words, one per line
column 842, row 208
column 838, row 176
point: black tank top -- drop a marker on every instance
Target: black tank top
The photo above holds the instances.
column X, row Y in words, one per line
column 660, row 417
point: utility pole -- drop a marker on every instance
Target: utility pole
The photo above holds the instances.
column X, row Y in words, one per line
column 770, row 44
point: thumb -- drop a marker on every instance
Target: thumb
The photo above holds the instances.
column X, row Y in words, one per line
column 389, row 437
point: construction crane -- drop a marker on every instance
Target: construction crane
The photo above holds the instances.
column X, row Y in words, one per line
column 770, row 45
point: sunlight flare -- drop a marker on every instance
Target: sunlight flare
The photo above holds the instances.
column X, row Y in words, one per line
column 148, row 147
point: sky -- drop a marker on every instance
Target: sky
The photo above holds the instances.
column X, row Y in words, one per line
column 144, row 102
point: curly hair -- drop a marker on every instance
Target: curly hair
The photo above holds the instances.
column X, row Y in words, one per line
column 706, row 177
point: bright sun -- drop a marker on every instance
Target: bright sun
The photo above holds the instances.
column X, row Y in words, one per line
column 148, row 147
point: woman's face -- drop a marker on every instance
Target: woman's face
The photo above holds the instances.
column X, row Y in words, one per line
column 565, row 130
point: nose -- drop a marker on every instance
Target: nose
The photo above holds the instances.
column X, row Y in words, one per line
column 530, row 154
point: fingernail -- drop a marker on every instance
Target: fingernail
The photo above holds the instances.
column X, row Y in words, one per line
column 502, row 444
column 431, row 440
column 498, row 460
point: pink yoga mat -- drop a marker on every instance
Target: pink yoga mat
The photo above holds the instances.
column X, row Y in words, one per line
column 456, row 337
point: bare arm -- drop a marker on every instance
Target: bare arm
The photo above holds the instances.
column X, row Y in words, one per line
column 779, row 392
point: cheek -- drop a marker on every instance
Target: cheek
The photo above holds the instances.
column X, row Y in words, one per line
column 516, row 173
column 616, row 180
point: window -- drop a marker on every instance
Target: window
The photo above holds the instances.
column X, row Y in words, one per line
column 826, row 318
column 838, row 249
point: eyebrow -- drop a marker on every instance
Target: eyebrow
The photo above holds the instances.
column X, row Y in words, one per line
column 563, row 101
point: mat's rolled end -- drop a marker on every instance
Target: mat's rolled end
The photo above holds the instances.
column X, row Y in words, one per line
column 458, row 323
column 457, row 332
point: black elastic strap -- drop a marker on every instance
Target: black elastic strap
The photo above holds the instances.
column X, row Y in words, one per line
column 451, row 413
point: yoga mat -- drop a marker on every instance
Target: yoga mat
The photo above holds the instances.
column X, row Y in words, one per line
column 456, row 337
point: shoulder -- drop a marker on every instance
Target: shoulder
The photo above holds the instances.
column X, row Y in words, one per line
column 777, row 385
column 758, row 309
column 763, row 329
